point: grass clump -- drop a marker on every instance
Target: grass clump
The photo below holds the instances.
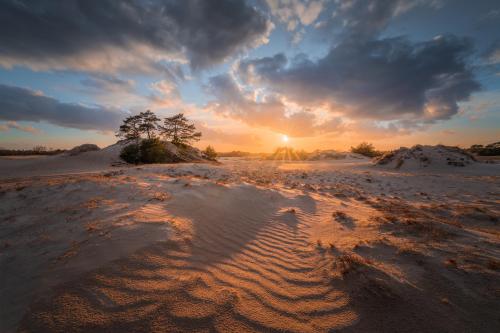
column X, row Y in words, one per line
column 366, row 149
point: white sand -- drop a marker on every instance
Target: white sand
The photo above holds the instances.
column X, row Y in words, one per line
column 248, row 246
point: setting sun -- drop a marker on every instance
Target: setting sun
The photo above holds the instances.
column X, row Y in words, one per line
column 284, row 138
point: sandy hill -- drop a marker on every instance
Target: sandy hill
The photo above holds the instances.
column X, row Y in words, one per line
column 84, row 158
column 433, row 157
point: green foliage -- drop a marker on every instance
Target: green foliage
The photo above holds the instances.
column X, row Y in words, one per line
column 178, row 130
column 147, row 151
column 13, row 152
column 493, row 149
column 149, row 123
column 210, row 153
column 134, row 126
column 131, row 128
column 148, row 148
column 153, row 151
column 366, row 149
column 131, row 153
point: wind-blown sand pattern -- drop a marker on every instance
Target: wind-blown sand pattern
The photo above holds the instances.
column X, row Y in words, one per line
column 251, row 246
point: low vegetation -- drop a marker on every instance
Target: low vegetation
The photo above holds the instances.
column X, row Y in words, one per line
column 154, row 151
column 366, row 149
column 235, row 153
column 210, row 154
column 493, row 149
column 37, row 150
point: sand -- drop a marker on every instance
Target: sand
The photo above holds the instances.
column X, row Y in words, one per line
column 247, row 246
column 435, row 158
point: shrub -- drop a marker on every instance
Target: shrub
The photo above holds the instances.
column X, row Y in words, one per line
column 153, row 151
column 365, row 149
column 210, row 153
column 493, row 149
column 131, row 153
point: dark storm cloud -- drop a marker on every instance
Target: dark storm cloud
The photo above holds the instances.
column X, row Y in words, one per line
column 83, row 33
column 18, row 104
column 366, row 19
column 379, row 79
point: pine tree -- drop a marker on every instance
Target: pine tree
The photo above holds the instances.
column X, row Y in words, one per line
column 131, row 128
column 178, row 130
column 149, row 123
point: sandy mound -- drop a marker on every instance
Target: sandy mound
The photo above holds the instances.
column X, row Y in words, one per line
column 111, row 154
column 417, row 157
column 83, row 149
column 78, row 160
column 184, row 154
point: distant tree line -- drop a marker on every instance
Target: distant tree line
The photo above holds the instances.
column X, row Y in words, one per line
column 37, row 150
column 493, row 149
column 235, row 153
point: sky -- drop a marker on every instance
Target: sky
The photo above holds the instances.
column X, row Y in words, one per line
column 327, row 74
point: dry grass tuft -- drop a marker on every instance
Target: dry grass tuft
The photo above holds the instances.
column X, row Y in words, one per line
column 91, row 227
column 493, row 264
column 160, row 196
column 350, row 262
column 93, row 203
column 452, row 263
column 407, row 249
column 338, row 215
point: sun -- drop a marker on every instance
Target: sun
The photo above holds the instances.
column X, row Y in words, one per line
column 284, row 138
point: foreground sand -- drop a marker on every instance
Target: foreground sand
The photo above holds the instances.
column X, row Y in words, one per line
column 249, row 246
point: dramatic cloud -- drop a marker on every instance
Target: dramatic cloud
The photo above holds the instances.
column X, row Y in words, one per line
column 108, row 35
column 363, row 20
column 220, row 136
column 18, row 104
column 383, row 79
column 270, row 112
column 295, row 12
column 104, row 83
column 365, row 77
column 492, row 54
column 14, row 125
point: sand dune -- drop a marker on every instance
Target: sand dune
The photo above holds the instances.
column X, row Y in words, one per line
column 253, row 246
column 430, row 157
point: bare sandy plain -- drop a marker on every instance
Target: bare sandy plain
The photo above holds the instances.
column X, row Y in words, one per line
column 247, row 246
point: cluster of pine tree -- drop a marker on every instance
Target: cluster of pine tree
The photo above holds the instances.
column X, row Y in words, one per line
column 175, row 129
column 148, row 135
